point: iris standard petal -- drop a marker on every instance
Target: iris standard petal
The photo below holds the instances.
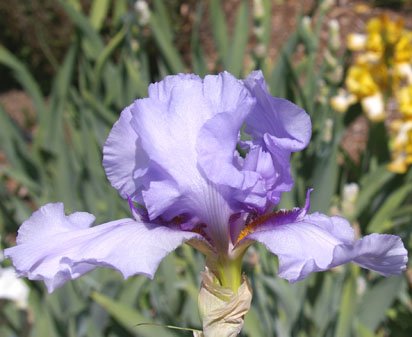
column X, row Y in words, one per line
column 317, row 242
column 56, row 248
column 288, row 124
column 279, row 127
column 261, row 161
column 124, row 160
column 216, row 148
column 169, row 124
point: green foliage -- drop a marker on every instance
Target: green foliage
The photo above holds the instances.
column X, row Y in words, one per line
column 61, row 161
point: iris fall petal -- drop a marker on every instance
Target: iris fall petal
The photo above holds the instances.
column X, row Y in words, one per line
column 56, row 248
column 317, row 242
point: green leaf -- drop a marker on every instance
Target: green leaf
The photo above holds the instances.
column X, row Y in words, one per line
column 12, row 140
column 21, row 178
column 161, row 32
column 24, row 77
column 169, row 51
column 347, row 308
column 327, row 301
column 290, row 298
column 377, row 300
column 50, row 131
column 235, row 62
column 253, row 326
column 107, row 52
column 93, row 42
column 363, row 331
column 98, row 13
column 119, row 10
column 45, row 325
column 325, row 180
column 280, row 74
column 379, row 222
column 129, row 318
column 198, row 55
column 162, row 12
column 100, row 109
column 370, row 185
column 137, row 82
column 219, row 29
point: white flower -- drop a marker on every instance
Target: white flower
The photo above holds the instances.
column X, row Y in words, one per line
column 349, row 197
column 143, row 12
column 342, row 101
column 11, row 287
column 373, row 107
column 356, row 42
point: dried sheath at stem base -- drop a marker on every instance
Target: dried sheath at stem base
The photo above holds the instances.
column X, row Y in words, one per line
column 222, row 311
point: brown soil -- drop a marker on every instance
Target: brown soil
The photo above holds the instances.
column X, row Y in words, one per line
column 19, row 106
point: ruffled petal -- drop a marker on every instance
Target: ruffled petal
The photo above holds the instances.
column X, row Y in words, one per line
column 261, row 162
column 280, row 128
column 56, row 248
column 124, row 160
column 217, row 159
column 287, row 123
column 382, row 253
column 169, row 124
column 317, row 242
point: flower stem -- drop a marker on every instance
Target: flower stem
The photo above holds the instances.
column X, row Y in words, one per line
column 230, row 272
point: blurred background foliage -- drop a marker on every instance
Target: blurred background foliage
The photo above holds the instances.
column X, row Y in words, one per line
column 81, row 61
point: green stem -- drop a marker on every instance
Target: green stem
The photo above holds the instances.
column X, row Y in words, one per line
column 230, row 272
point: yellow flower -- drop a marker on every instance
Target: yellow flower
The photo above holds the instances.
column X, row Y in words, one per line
column 403, row 49
column 403, row 136
column 401, row 146
column 375, row 44
column 402, row 74
column 398, row 165
column 374, row 25
column 390, row 30
column 382, row 70
column 360, row 82
column 405, row 101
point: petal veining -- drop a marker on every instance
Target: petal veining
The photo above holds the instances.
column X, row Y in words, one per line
column 124, row 160
column 317, row 242
column 279, row 127
column 169, row 124
column 278, row 117
column 56, row 248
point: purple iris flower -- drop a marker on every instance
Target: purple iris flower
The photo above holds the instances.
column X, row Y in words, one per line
column 178, row 157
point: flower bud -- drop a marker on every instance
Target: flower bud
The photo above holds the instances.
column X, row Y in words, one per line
column 334, row 35
column 222, row 311
column 326, row 5
column 328, row 130
column 349, row 198
column 307, row 24
column 258, row 9
column 143, row 12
